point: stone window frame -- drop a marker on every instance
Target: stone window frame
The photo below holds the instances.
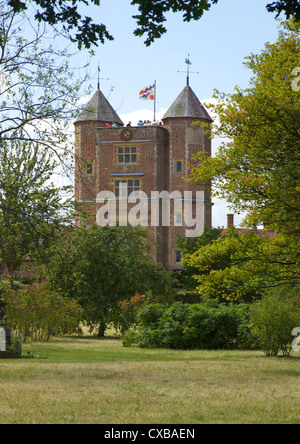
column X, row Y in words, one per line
column 178, row 256
column 178, row 219
column 130, row 154
column 134, row 187
column 175, row 166
column 88, row 167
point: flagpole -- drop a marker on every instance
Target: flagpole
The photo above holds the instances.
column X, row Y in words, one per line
column 154, row 99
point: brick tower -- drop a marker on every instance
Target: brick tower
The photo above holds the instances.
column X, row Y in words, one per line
column 145, row 162
column 96, row 115
column 188, row 126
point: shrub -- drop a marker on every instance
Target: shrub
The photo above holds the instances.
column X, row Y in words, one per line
column 195, row 326
column 150, row 315
column 188, row 296
column 274, row 317
column 130, row 338
column 4, row 288
column 37, row 312
column 129, row 309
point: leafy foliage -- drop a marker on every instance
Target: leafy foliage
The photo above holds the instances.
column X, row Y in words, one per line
column 189, row 246
column 100, row 267
column 37, row 100
column 61, row 12
column 291, row 8
column 254, row 262
column 128, row 311
column 38, row 95
column 31, row 207
column 274, row 318
column 196, row 326
column 258, row 173
column 37, row 313
column 152, row 15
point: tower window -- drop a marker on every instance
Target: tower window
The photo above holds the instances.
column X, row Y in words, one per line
column 178, row 257
column 127, row 155
column 125, row 187
column 178, row 166
column 89, row 167
column 178, row 220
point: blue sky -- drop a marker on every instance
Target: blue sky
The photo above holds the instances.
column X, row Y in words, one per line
column 217, row 44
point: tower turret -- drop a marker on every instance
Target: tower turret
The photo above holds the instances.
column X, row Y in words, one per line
column 188, row 124
column 98, row 113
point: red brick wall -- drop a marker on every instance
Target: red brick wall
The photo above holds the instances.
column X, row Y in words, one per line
column 186, row 138
column 157, row 150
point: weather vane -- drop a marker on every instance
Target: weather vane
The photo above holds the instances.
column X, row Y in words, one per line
column 188, row 63
column 99, row 70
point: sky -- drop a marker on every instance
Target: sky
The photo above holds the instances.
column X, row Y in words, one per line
column 217, row 44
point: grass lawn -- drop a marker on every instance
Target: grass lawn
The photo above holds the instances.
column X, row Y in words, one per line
column 101, row 382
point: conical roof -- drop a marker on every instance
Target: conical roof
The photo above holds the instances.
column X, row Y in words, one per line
column 99, row 109
column 187, row 104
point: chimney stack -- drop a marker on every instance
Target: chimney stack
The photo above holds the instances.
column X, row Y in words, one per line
column 230, row 220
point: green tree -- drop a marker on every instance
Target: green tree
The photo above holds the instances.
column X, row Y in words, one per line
column 152, row 15
column 100, row 267
column 32, row 208
column 189, row 246
column 274, row 318
column 37, row 100
column 247, row 264
column 67, row 14
column 258, row 171
column 37, row 92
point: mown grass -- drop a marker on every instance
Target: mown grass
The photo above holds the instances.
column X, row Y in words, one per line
column 84, row 381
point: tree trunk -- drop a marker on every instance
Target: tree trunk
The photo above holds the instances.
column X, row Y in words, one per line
column 101, row 330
